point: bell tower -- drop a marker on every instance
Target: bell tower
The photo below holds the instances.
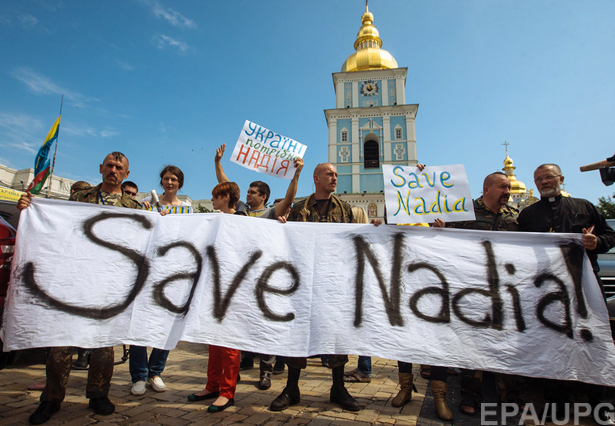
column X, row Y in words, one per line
column 371, row 124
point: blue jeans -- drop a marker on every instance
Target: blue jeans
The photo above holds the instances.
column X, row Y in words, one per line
column 365, row 365
column 142, row 369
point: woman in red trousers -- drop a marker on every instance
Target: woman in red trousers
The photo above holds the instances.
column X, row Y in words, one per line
column 223, row 365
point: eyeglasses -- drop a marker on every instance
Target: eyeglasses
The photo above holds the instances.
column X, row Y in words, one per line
column 550, row 177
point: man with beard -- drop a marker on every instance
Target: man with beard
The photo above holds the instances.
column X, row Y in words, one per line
column 492, row 214
column 556, row 213
column 114, row 170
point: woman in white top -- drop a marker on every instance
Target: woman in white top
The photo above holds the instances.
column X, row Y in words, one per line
column 141, row 368
column 171, row 180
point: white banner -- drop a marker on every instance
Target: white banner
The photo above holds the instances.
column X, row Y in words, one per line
column 521, row 303
column 437, row 192
column 266, row 151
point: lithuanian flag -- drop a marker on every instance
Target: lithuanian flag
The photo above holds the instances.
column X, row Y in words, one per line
column 41, row 162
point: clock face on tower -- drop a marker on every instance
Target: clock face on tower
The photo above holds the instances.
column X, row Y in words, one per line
column 369, row 88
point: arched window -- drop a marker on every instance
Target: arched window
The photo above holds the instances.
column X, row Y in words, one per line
column 371, row 155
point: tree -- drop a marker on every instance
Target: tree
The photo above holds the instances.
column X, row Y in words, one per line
column 606, row 206
column 202, row 209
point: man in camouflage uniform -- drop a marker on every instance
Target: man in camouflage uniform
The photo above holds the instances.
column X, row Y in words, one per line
column 322, row 206
column 492, row 214
column 114, row 170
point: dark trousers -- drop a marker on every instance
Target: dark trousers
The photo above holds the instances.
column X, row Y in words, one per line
column 334, row 361
column 59, row 362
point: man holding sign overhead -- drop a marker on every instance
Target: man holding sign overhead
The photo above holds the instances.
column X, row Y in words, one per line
column 259, row 191
column 257, row 197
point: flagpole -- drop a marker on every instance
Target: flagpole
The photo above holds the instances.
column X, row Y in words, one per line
column 55, row 151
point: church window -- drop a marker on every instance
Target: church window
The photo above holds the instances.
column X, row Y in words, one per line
column 344, row 135
column 398, row 132
column 371, row 155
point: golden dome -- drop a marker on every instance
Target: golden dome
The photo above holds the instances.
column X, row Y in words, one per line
column 368, row 55
column 516, row 186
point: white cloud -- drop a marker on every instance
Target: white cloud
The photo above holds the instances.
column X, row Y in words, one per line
column 163, row 41
column 38, row 83
column 172, row 16
column 125, row 66
column 108, row 133
column 27, row 21
column 21, row 131
column 80, row 131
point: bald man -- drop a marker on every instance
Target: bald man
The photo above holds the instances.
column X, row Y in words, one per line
column 321, row 206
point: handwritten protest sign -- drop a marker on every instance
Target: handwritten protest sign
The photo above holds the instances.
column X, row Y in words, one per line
column 91, row 276
column 266, row 151
column 437, row 192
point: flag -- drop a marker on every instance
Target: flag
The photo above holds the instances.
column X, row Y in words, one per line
column 41, row 162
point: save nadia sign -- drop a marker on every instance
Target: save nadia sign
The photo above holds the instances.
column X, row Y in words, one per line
column 440, row 192
column 509, row 302
column 266, row 151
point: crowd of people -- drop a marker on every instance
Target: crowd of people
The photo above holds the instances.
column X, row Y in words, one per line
column 553, row 213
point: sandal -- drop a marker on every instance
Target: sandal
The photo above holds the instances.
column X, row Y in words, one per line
column 356, row 377
column 468, row 406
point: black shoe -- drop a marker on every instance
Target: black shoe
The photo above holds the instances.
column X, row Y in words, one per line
column 217, row 408
column 83, row 359
column 102, row 406
column 264, row 382
column 340, row 396
column 43, row 413
column 210, row 395
column 286, row 399
column 278, row 368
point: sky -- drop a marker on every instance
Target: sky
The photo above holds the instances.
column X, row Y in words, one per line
column 166, row 82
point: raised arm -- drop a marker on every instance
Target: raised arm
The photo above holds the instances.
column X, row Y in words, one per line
column 291, row 192
column 219, row 170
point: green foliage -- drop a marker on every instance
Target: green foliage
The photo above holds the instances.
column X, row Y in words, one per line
column 606, row 206
column 202, row 209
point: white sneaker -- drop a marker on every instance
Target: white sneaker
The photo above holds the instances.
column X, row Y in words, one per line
column 157, row 384
column 138, row 388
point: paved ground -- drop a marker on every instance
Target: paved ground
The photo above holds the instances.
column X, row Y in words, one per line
column 185, row 374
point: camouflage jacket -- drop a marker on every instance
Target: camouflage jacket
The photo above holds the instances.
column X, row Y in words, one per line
column 307, row 211
column 486, row 220
column 95, row 196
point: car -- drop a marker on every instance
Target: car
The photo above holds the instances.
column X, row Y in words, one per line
column 7, row 248
column 9, row 212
